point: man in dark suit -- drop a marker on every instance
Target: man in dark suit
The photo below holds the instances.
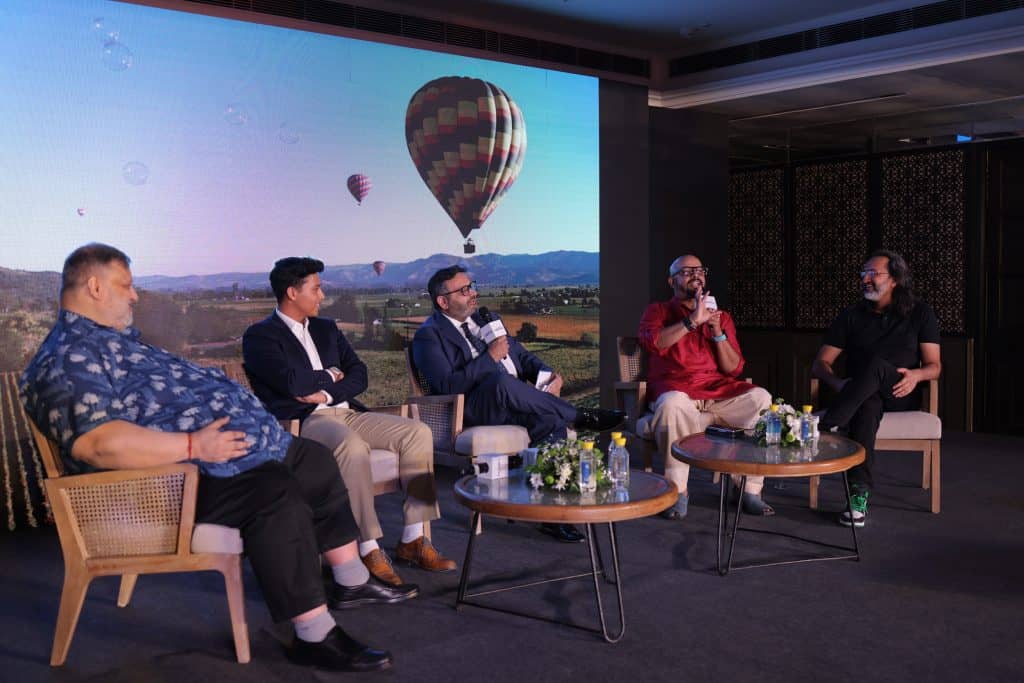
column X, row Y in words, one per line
column 302, row 367
column 503, row 383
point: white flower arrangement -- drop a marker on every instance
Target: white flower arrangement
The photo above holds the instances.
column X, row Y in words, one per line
column 790, row 418
column 558, row 466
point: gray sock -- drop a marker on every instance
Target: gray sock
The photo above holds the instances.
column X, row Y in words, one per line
column 351, row 574
column 316, row 629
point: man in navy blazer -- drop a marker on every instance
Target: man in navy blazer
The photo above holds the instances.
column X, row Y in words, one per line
column 499, row 376
column 302, row 367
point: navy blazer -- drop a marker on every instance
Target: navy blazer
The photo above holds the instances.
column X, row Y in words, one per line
column 278, row 366
column 441, row 353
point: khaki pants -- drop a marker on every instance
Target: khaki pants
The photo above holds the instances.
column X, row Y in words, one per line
column 677, row 415
column 351, row 435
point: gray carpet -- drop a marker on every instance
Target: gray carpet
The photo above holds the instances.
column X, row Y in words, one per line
column 935, row 598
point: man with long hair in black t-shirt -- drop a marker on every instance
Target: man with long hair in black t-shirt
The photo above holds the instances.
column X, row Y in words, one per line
column 891, row 341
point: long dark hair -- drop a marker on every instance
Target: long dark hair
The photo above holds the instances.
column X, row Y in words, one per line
column 903, row 297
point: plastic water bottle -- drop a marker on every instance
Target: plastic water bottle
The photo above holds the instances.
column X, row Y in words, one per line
column 588, row 469
column 808, row 426
column 618, row 462
column 773, row 425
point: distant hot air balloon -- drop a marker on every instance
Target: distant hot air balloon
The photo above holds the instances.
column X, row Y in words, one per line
column 359, row 185
column 467, row 138
column 378, row 267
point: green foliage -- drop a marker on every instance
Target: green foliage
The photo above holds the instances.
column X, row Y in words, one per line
column 341, row 307
column 588, row 338
column 527, row 332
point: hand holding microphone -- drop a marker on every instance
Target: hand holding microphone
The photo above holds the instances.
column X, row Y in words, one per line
column 493, row 332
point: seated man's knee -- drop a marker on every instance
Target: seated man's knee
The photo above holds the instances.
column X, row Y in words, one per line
column 674, row 402
column 761, row 397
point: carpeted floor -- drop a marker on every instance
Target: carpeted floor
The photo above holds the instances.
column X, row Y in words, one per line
column 935, row 598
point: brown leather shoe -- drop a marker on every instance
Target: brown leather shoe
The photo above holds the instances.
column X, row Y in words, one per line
column 421, row 553
column 380, row 567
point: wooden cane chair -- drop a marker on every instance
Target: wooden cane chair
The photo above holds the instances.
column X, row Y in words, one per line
column 453, row 442
column 130, row 522
column 906, row 430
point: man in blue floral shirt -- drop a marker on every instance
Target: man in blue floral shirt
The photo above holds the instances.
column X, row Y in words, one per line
column 112, row 401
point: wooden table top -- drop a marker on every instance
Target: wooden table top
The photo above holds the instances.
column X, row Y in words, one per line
column 514, row 498
column 831, row 453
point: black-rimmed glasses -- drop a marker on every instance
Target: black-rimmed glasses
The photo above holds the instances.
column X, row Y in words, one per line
column 688, row 272
column 464, row 291
column 871, row 273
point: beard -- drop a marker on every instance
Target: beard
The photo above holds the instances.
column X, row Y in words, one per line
column 875, row 293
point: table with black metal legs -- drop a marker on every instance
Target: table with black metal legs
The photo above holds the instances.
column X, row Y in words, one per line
column 514, row 498
column 742, row 457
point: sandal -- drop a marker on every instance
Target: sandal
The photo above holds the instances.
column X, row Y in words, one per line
column 678, row 509
column 755, row 505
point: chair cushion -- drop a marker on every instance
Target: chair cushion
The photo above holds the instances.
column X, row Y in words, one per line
column 910, row 424
column 383, row 466
column 496, row 439
column 215, row 538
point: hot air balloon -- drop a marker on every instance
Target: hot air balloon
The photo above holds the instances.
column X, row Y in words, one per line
column 378, row 267
column 359, row 185
column 467, row 139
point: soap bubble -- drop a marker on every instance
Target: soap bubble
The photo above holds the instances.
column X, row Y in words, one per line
column 106, row 31
column 287, row 134
column 116, row 56
column 236, row 115
column 135, row 173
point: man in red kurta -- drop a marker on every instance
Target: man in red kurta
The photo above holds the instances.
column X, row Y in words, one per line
column 694, row 360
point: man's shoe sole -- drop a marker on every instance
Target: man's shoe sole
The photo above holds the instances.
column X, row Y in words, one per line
column 846, row 523
column 376, row 666
column 364, row 602
column 414, row 563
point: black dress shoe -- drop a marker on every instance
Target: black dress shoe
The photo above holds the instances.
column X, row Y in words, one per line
column 566, row 533
column 371, row 593
column 598, row 419
column 339, row 652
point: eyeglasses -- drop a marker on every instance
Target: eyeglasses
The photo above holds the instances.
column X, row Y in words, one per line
column 871, row 273
column 688, row 272
column 464, row 291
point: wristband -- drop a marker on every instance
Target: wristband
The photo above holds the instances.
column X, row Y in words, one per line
column 688, row 324
column 189, row 435
column 719, row 337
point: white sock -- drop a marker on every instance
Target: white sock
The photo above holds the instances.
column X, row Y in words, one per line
column 315, row 630
column 367, row 547
column 351, row 574
column 411, row 532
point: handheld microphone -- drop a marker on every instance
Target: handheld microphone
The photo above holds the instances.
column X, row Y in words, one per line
column 490, row 329
column 485, row 315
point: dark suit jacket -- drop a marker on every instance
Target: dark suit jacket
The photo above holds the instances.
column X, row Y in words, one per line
column 442, row 354
column 279, row 369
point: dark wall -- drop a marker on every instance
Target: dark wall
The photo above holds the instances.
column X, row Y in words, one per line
column 689, row 195
column 625, row 242
column 664, row 192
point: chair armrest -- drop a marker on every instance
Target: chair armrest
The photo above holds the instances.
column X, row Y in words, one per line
column 623, row 390
column 449, row 405
column 930, row 397
column 138, row 504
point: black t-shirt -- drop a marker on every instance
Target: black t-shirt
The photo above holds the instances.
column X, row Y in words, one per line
column 863, row 333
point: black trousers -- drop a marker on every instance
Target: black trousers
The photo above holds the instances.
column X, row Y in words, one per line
column 288, row 513
column 859, row 407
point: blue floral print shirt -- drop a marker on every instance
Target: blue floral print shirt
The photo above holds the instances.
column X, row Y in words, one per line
column 86, row 374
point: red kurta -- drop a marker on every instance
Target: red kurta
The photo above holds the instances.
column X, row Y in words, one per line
column 690, row 364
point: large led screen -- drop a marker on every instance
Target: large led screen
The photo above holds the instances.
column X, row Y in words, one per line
column 206, row 148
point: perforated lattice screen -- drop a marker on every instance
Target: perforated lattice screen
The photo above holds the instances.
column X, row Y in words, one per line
column 924, row 219
column 830, row 238
column 756, row 248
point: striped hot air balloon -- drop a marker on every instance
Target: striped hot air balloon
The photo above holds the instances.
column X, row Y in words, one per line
column 359, row 185
column 467, row 138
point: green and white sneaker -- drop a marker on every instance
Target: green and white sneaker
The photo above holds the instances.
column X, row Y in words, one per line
column 859, row 503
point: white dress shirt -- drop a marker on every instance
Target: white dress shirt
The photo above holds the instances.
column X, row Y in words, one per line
column 474, row 330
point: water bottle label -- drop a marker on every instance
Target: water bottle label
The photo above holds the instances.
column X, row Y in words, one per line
column 585, row 471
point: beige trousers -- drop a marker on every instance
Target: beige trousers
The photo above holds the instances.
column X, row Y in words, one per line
column 677, row 415
column 351, row 435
